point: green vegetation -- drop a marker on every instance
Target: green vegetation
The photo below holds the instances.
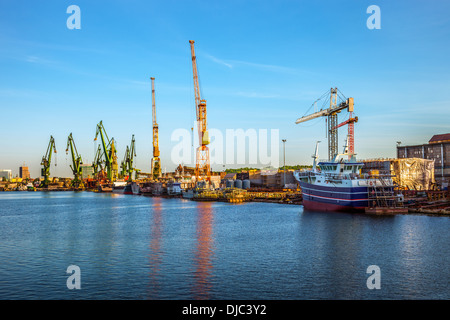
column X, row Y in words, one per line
column 296, row 167
column 240, row 170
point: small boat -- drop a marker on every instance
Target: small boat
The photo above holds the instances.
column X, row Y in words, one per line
column 151, row 188
column 188, row 194
column 104, row 188
column 174, row 189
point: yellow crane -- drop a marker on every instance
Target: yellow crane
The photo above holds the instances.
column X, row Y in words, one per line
column 156, row 161
column 202, row 163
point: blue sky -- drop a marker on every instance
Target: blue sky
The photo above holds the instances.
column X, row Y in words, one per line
column 261, row 65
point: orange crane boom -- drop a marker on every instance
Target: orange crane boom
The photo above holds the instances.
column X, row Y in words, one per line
column 202, row 163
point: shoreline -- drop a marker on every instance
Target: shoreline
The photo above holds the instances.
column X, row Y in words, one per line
column 421, row 207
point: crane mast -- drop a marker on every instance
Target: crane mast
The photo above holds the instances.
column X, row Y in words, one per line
column 351, row 128
column 123, row 165
column 202, row 163
column 156, row 161
column 127, row 163
column 46, row 160
column 77, row 181
column 97, row 163
column 109, row 152
column 332, row 122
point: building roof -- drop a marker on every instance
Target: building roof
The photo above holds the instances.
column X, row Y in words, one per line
column 438, row 138
column 230, row 175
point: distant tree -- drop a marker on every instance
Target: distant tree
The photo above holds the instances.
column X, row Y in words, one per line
column 238, row 170
column 297, row 167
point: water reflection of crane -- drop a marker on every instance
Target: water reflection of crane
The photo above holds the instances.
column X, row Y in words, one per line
column 202, row 259
column 155, row 247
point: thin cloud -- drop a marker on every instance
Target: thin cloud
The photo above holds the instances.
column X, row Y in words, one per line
column 39, row 60
column 267, row 67
column 51, row 46
column 18, row 92
column 138, row 82
column 217, row 60
column 257, row 95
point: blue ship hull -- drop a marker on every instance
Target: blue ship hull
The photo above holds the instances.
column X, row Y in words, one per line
column 332, row 198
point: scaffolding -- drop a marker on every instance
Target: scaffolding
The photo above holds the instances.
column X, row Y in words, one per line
column 383, row 196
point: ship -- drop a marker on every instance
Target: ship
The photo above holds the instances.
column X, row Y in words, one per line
column 126, row 188
column 188, row 194
column 339, row 185
column 151, row 188
column 104, row 188
column 135, row 188
column 174, row 189
column 119, row 187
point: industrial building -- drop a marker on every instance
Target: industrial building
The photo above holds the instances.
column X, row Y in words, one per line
column 407, row 173
column 273, row 178
column 24, row 173
column 437, row 149
column 87, row 171
column 6, row 174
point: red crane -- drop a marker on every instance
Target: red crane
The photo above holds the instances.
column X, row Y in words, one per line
column 351, row 128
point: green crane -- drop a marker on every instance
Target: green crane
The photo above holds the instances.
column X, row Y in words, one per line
column 98, row 162
column 123, row 165
column 127, row 163
column 46, row 160
column 109, row 151
column 77, row 181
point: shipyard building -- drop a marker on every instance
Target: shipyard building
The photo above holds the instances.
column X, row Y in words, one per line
column 87, row 171
column 24, row 173
column 5, row 174
column 407, row 173
column 438, row 150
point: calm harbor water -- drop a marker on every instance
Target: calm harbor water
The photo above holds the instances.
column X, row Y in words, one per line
column 136, row 247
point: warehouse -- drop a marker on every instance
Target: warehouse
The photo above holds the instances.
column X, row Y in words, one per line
column 437, row 149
